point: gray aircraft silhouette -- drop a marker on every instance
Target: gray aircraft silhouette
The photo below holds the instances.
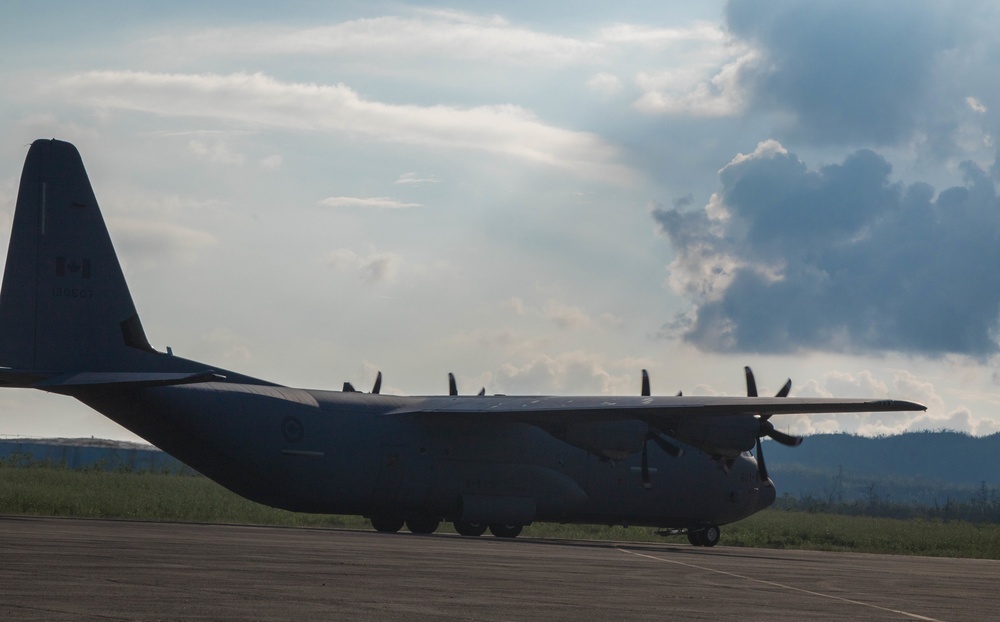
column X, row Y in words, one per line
column 68, row 325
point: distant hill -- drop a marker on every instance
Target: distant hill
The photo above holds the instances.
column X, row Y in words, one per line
column 923, row 468
column 917, row 467
column 950, row 456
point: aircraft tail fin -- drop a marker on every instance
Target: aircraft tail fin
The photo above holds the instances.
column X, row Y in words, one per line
column 64, row 303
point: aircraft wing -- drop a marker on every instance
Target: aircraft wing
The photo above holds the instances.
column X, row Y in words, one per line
column 546, row 409
column 615, row 427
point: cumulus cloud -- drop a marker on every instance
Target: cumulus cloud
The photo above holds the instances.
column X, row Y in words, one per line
column 883, row 385
column 376, row 202
column 975, row 105
column 578, row 372
column 842, row 258
column 516, row 304
column 846, row 72
column 699, row 77
column 261, row 101
column 270, row 163
column 373, row 269
column 566, row 316
column 691, row 91
column 604, row 83
column 216, row 152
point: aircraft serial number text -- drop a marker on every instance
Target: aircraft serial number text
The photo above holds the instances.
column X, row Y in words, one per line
column 71, row 292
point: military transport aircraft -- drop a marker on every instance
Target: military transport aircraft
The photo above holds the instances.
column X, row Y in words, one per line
column 68, row 325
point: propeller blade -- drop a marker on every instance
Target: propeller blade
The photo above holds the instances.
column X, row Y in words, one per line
column 766, row 427
column 482, row 392
column 785, row 389
column 785, row 439
column 452, row 386
column 645, row 383
column 680, row 394
column 761, row 467
column 378, row 383
column 645, row 467
column 665, row 445
column 751, row 383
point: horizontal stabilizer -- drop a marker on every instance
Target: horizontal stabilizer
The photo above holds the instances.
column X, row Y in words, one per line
column 136, row 380
column 20, row 378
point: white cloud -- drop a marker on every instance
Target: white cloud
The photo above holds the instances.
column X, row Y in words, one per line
column 261, row 101
column 975, row 105
column 227, row 345
column 605, row 83
column 566, row 316
column 446, row 35
column 612, row 320
column 216, row 152
column 413, row 178
column 270, row 163
column 695, row 91
column 660, row 38
column 372, row 269
column 374, row 202
column 380, row 268
column 147, row 244
column 517, row 304
column 572, row 372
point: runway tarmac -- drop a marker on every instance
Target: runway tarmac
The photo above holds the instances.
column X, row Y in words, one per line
column 68, row 569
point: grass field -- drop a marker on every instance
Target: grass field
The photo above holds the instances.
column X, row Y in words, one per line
column 54, row 491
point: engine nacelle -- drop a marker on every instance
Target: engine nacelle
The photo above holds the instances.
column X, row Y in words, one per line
column 719, row 436
column 614, row 440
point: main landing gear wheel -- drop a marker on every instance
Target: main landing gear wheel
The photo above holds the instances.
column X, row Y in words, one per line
column 506, row 531
column 422, row 524
column 465, row 528
column 709, row 536
column 387, row 524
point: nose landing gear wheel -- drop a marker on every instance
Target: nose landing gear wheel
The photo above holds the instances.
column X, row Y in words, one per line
column 708, row 536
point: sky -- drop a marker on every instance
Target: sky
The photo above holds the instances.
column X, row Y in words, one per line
column 541, row 199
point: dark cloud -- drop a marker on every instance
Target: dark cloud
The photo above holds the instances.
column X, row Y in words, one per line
column 847, row 71
column 840, row 258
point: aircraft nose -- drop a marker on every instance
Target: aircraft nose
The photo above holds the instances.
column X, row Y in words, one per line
column 766, row 494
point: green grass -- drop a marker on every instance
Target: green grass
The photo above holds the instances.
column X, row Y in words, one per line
column 54, row 491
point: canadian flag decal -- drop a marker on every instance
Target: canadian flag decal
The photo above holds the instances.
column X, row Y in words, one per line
column 73, row 266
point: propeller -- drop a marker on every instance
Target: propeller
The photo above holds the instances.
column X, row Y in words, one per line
column 453, row 386
column 766, row 427
column 349, row 388
column 645, row 385
column 656, row 437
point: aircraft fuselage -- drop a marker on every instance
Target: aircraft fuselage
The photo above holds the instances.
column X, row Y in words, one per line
column 346, row 453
